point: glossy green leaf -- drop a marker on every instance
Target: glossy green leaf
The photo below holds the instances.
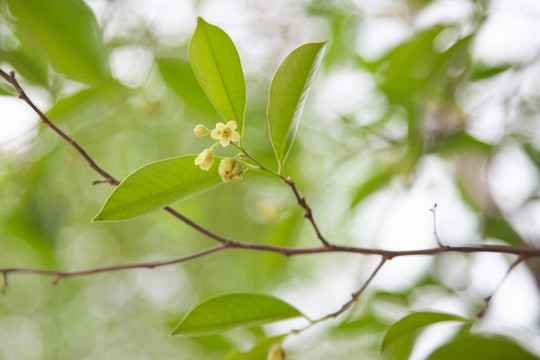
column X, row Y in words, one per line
column 481, row 347
column 66, row 31
column 156, row 185
column 288, row 93
column 258, row 352
column 413, row 322
column 229, row 311
column 217, row 66
column 179, row 75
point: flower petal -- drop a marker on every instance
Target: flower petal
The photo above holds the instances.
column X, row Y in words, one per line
column 216, row 134
column 231, row 125
column 235, row 136
column 225, row 141
column 220, row 126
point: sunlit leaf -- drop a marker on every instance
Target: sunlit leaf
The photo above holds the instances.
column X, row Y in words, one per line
column 481, row 347
column 413, row 322
column 288, row 93
column 67, row 32
column 157, row 185
column 229, row 311
column 218, row 69
column 179, row 75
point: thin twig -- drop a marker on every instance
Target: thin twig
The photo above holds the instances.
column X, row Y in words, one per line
column 355, row 295
column 60, row 275
column 435, row 232
column 487, row 300
column 10, row 78
column 354, row 298
column 308, row 214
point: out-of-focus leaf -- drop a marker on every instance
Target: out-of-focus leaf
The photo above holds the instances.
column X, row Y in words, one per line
column 498, row 227
column 288, row 94
column 67, row 32
column 27, row 65
column 481, row 347
column 7, row 89
column 179, row 75
column 229, row 311
column 461, row 142
column 413, row 322
column 258, row 352
column 534, row 154
column 86, row 103
column 218, row 69
column 366, row 322
column 482, row 71
column 376, row 181
column 411, row 65
column 156, row 185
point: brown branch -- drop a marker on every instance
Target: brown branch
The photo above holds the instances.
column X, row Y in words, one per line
column 59, row 274
column 10, row 78
column 356, row 295
column 308, row 214
column 487, row 300
column 523, row 253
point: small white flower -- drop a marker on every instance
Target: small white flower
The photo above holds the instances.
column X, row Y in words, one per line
column 225, row 133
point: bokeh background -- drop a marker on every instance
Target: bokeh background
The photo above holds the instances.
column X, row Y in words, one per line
column 417, row 102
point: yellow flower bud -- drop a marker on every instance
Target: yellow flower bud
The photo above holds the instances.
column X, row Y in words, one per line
column 201, row 130
column 230, row 170
column 205, row 159
column 276, row 353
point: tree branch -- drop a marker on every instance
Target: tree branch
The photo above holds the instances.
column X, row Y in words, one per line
column 59, row 274
column 308, row 214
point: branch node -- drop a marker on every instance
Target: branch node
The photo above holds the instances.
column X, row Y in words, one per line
column 97, row 182
column 57, row 279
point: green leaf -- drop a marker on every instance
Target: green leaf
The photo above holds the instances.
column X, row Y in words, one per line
column 413, row 322
column 481, row 71
column 376, row 181
column 216, row 63
column 460, row 142
column 66, row 31
column 258, row 352
column 156, row 185
column 229, row 311
column 288, row 93
column 32, row 67
column 179, row 75
column 481, row 347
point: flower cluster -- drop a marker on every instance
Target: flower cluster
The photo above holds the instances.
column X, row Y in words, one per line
column 229, row 169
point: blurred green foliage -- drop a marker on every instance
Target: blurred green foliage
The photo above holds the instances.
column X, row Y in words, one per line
column 62, row 51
